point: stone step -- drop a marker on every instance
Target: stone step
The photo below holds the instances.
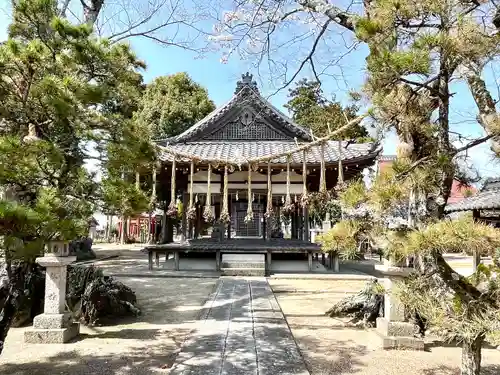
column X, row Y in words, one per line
column 243, row 264
column 243, row 272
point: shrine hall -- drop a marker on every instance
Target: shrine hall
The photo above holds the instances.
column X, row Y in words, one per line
column 231, row 181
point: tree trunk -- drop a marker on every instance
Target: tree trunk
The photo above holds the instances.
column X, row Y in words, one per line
column 91, row 11
column 123, row 234
column 107, row 228
column 471, row 356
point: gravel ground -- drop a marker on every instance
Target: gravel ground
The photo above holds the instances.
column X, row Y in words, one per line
column 146, row 345
column 331, row 348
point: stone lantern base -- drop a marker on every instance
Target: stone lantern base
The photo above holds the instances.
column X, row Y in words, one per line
column 52, row 329
column 55, row 325
column 394, row 331
column 398, row 335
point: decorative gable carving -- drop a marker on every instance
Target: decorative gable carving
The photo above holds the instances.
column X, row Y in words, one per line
column 246, row 126
column 237, row 130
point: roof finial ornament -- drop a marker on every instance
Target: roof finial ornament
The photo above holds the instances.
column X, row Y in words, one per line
column 246, row 81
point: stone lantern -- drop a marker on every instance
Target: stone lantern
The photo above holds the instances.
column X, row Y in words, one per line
column 55, row 324
column 394, row 330
column 58, row 249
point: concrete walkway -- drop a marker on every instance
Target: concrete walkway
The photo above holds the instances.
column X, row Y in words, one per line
column 242, row 332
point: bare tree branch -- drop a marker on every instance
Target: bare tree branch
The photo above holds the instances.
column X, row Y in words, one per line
column 335, row 14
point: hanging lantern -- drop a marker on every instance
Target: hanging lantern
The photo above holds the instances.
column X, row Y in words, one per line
column 288, row 207
column 304, row 199
column 224, row 215
column 249, row 217
column 191, row 212
column 172, row 207
column 208, row 214
column 269, row 208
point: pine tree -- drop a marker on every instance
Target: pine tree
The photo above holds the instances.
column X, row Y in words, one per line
column 62, row 89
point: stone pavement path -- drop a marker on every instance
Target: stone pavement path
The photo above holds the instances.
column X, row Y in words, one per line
column 243, row 332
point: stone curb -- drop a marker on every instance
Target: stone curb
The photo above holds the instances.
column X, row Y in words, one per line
column 141, row 275
column 90, row 261
column 321, row 277
column 307, row 368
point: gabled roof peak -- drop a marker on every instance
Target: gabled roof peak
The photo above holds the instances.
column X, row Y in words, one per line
column 246, row 81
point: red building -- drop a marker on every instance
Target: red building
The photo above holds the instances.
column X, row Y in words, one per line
column 459, row 191
column 138, row 227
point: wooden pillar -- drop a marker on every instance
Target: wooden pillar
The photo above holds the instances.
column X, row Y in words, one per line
column 164, row 228
column 230, row 210
column 170, row 230
column 150, row 260
column 176, row 260
column 264, row 227
column 335, row 263
column 196, row 232
column 300, row 226
column 221, row 205
column 268, row 261
column 305, row 213
column 157, row 259
column 309, row 261
column 323, row 258
column 217, row 260
column 293, row 229
column 184, row 219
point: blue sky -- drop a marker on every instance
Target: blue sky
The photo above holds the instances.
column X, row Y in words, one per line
column 220, row 80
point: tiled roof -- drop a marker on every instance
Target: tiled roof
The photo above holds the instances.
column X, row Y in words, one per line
column 241, row 150
column 487, row 199
column 491, row 184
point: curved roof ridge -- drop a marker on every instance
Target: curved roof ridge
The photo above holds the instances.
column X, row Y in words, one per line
column 196, row 127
